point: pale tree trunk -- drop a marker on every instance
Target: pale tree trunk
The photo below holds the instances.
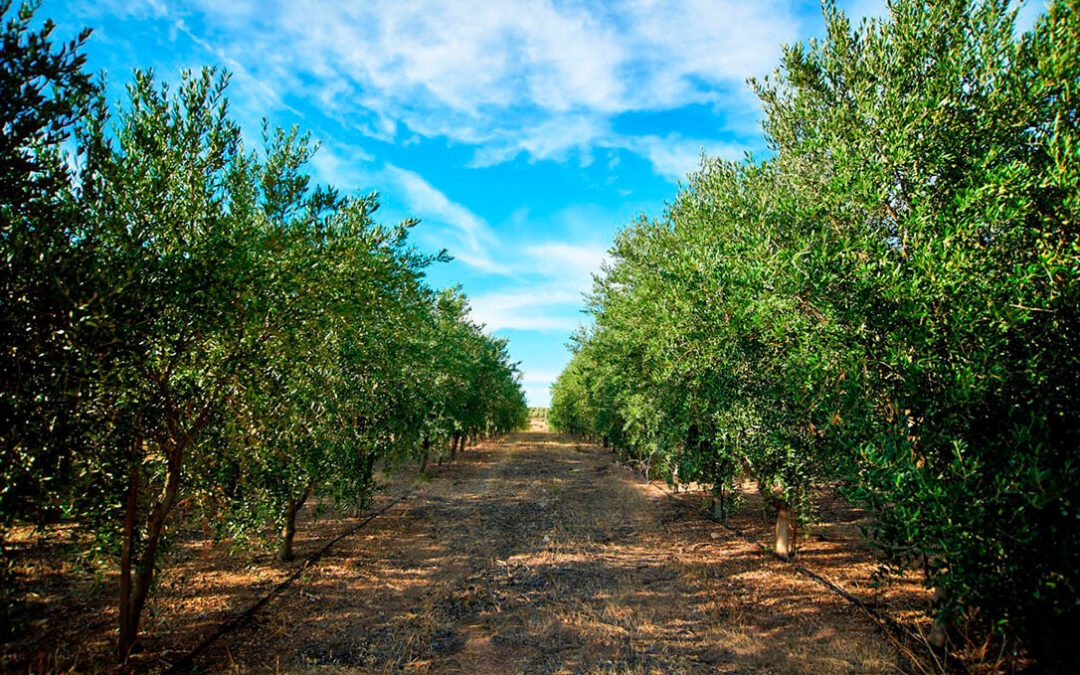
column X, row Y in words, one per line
column 785, row 532
column 938, row 636
column 288, row 533
column 719, row 511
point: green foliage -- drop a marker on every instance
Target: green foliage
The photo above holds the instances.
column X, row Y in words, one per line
column 890, row 300
column 188, row 322
column 45, row 254
column 43, row 93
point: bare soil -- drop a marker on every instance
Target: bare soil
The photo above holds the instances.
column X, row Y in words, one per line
column 532, row 554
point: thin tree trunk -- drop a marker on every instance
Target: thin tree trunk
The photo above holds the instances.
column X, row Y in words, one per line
column 718, row 507
column 127, row 550
column 288, row 533
column 425, row 450
column 139, row 588
column 785, row 532
column 369, row 467
column 939, row 637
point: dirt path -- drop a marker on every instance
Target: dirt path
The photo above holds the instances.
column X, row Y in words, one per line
column 536, row 554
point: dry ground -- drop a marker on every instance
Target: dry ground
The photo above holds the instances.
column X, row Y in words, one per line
column 532, row 554
column 537, row 555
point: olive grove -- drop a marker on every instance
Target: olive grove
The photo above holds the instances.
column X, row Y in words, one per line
column 190, row 320
column 888, row 300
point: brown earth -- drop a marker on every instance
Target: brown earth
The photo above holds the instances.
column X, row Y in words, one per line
column 537, row 555
column 532, row 554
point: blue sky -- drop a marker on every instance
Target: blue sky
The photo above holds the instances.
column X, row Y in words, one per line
column 523, row 133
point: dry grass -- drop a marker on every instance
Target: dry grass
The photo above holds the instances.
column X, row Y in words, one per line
column 534, row 554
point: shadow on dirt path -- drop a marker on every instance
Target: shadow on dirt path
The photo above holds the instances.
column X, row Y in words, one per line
column 536, row 554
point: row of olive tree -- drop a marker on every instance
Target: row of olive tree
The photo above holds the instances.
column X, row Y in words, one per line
column 185, row 320
column 891, row 300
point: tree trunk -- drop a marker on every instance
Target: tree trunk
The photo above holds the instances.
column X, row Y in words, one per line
column 127, row 549
column 938, row 636
column 425, row 452
column 369, row 467
column 453, row 447
column 288, row 533
column 718, row 506
column 785, row 532
column 131, row 605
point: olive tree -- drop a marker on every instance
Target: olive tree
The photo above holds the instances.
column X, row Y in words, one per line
column 935, row 150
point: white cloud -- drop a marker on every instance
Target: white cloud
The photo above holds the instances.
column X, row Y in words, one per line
column 544, row 307
column 560, row 254
column 556, row 274
column 538, row 397
column 674, row 156
column 544, row 377
column 472, row 233
column 344, row 166
column 573, row 264
column 539, row 77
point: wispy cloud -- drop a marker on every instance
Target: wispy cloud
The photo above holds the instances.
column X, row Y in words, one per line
column 543, row 377
column 534, row 77
column 473, row 236
column 343, row 165
column 534, row 308
column 567, row 257
column 555, row 274
column 673, row 156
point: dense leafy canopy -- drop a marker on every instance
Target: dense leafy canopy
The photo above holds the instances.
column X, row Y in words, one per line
column 187, row 321
column 891, row 300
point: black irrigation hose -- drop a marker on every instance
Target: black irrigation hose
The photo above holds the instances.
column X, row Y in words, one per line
column 185, row 664
column 883, row 620
column 886, row 622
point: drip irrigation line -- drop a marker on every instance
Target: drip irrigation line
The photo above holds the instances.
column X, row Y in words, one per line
column 886, row 622
column 185, row 664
